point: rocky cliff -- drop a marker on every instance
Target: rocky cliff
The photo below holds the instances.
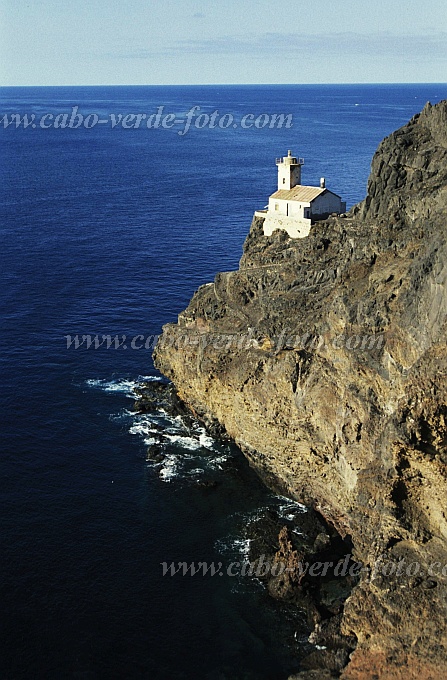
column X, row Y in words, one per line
column 325, row 359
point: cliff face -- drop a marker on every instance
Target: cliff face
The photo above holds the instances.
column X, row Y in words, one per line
column 326, row 360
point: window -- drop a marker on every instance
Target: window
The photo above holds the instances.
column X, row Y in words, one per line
column 276, row 206
column 283, row 180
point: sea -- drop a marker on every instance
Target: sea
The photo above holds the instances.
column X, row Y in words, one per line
column 108, row 230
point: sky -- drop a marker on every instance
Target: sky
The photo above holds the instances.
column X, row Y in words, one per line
column 163, row 42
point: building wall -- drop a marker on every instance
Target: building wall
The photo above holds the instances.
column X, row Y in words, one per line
column 289, row 208
column 295, row 217
column 277, row 206
column 297, row 209
column 326, row 203
column 288, row 177
column 294, row 227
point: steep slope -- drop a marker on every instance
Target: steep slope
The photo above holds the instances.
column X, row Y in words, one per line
column 326, row 360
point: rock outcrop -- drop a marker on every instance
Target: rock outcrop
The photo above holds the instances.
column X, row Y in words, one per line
column 325, row 359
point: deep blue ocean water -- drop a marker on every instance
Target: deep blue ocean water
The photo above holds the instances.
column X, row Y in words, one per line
column 110, row 231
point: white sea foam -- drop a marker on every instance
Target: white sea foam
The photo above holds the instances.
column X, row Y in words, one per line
column 253, row 515
column 166, row 430
column 196, row 472
column 216, row 461
column 290, row 509
column 298, row 532
column 150, row 440
column 205, row 440
column 127, row 387
column 124, row 414
column 143, row 427
column 194, row 440
column 287, row 515
column 123, row 385
column 242, row 546
column 234, row 546
column 185, row 442
column 168, row 469
column 172, row 419
column 175, row 430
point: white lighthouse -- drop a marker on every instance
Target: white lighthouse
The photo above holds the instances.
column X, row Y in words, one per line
column 294, row 207
column 289, row 171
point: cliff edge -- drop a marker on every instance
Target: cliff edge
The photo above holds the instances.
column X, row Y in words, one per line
column 325, row 359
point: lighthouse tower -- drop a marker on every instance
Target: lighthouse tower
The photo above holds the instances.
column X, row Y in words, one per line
column 289, row 171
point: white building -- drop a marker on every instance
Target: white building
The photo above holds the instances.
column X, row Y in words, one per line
column 294, row 207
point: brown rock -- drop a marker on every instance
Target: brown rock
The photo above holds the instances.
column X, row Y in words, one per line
column 287, row 569
column 346, row 404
